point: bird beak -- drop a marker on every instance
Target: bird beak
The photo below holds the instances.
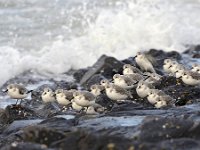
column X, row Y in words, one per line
column 135, row 56
column 170, row 66
column 5, row 91
column 147, row 77
column 180, row 77
column 30, row 91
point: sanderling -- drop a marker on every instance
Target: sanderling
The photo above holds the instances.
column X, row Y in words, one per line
column 128, row 69
column 179, row 72
column 175, row 66
column 159, row 98
column 76, row 106
column 48, row 95
column 84, row 98
column 164, row 100
column 167, row 65
column 135, row 76
column 143, row 62
column 63, row 97
column 153, row 96
column 96, row 89
column 104, row 82
column 152, row 77
column 143, row 88
column 91, row 111
column 17, row 91
column 115, row 92
column 191, row 78
column 160, row 104
column 196, row 68
column 124, row 81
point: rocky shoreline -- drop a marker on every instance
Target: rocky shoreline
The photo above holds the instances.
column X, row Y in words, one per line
column 127, row 126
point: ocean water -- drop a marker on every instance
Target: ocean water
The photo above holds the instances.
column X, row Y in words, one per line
column 54, row 36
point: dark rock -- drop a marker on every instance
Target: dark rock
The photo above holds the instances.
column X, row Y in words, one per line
column 82, row 141
column 167, row 81
column 158, row 129
column 180, row 144
column 41, row 135
column 18, row 112
column 66, row 85
column 104, row 101
column 19, row 124
column 78, row 75
column 174, row 55
column 59, row 123
column 183, row 95
column 47, row 110
column 96, row 79
column 194, row 49
column 3, row 117
column 26, row 146
column 157, row 53
column 196, row 56
column 106, row 66
column 130, row 60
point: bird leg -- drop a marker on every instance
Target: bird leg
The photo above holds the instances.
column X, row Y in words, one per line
column 16, row 102
column 20, row 101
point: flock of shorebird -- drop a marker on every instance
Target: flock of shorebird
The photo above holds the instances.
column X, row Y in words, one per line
column 142, row 80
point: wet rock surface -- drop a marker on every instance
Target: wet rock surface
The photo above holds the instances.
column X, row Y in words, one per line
column 128, row 125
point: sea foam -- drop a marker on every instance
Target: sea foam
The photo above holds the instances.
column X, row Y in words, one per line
column 77, row 36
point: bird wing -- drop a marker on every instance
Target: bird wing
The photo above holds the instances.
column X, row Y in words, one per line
column 195, row 75
column 22, row 90
column 150, row 58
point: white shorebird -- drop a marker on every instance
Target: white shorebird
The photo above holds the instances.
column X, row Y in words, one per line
column 143, row 88
column 167, row 65
column 153, row 96
column 105, row 82
column 48, row 95
column 17, row 91
column 124, row 81
column 64, row 97
column 144, row 63
column 84, row 98
column 75, row 106
column 160, row 104
column 128, row 69
column 91, row 111
column 165, row 100
column 159, row 99
column 191, row 78
column 117, row 93
column 175, row 66
column 180, row 71
column 196, row 68
column 135, row 76
column 152, row 77
column 96, row 89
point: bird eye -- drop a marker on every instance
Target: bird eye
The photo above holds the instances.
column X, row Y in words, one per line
column 10, row 87
column 125, row 66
